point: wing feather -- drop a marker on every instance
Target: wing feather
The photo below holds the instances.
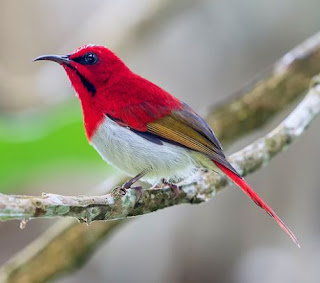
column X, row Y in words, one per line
column 185, row 128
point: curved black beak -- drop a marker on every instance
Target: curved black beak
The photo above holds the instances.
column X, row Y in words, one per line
column 61, row 59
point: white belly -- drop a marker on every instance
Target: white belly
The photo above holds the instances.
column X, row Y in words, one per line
column 131, row 153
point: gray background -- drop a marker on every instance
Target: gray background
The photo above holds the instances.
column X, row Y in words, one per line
column 200, row 51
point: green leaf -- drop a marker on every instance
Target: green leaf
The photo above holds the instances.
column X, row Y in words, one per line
column 35, row 144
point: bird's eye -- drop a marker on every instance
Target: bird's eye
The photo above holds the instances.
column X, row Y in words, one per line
column 90, row 58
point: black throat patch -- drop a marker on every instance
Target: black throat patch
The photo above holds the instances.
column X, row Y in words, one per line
column 89, row 86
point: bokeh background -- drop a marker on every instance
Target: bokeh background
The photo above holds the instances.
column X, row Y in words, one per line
column 201, row 51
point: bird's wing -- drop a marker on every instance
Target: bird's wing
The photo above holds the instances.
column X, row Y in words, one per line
column 184, row 128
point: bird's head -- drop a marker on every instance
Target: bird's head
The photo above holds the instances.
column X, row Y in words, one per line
column 90, row 68
column 94, row 71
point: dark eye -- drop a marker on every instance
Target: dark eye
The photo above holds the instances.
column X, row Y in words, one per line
column 90, row 58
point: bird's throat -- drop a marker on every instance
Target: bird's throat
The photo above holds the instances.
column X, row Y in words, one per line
column 92, row 113
column 92, row 119
column 84, row 81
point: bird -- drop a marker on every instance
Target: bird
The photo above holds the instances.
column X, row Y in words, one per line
column 141, row 129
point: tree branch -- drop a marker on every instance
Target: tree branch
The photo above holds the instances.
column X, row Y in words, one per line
column 258, row 101
column 200, row 188
column 67, row 244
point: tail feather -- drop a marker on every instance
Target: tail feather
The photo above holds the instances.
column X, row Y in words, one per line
column 255, row 197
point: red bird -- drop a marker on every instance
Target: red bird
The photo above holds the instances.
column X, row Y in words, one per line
column 140, row 128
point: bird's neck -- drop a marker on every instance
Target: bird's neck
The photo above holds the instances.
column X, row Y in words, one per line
column 92, row 117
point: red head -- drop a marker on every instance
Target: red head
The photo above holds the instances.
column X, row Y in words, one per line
column 106, row 86
column 89, row 68
column 92, row 70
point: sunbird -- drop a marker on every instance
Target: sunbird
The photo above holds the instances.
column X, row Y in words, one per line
column 141, row 129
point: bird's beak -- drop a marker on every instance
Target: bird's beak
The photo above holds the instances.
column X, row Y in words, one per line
column 61, row 59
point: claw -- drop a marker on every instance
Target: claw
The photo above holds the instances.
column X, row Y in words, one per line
column 173, row 187
column 119, row 191
column 139, row 190
column 122, row 191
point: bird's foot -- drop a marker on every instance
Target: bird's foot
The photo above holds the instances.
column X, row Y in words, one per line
column 122, row 190
column 175, row 188
column 139, row 190
column 118, row 190
column 128, row 185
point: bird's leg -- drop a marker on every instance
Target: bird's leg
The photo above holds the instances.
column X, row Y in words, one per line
column 128, row 184
column 172, row 186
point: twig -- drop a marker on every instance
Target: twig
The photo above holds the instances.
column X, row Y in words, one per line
column 257, row 102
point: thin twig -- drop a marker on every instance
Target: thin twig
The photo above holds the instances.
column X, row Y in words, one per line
column 258, row 101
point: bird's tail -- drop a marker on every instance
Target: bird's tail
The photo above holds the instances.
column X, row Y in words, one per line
column 255, row 197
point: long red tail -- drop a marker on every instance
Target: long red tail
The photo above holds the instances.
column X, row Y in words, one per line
column 255, row 197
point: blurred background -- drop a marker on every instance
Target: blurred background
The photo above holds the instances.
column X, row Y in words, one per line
column 200, row 51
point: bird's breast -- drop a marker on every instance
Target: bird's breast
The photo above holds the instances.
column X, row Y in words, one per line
column 132, row 153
